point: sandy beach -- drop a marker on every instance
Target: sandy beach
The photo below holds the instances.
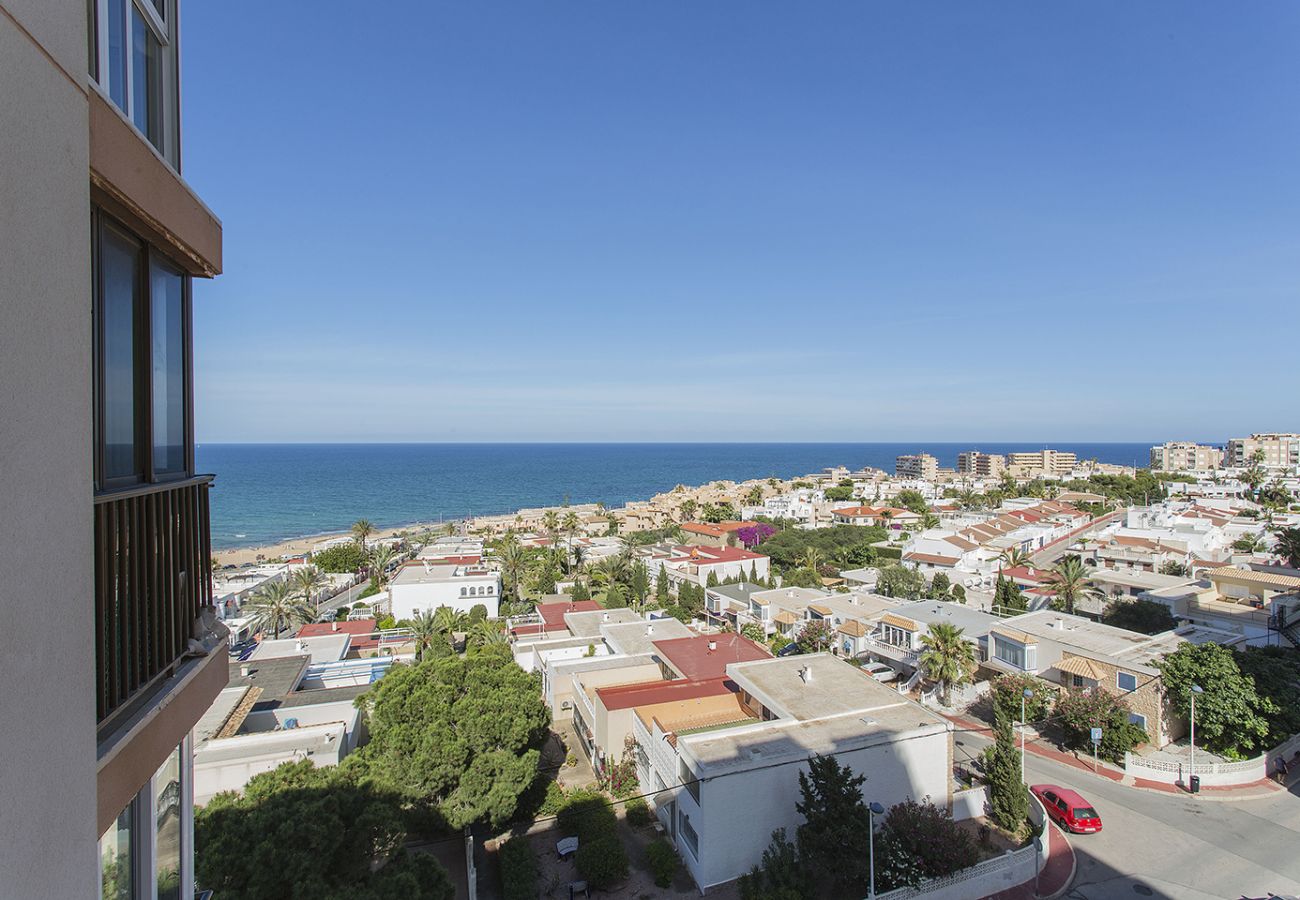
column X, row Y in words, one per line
column 240, row 555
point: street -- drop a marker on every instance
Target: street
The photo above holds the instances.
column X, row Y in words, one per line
column 1174, row 846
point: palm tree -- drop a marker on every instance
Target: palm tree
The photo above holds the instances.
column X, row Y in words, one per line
column 551, row 523
column 687, row 510
column 514, row 559
column 308, row 581
column 754, row 497
column 484, row 632
column 614, row 569
column 381, row 557
column 362, row 529
column 812, row 559
column 929, row 520
column 1014, row 558
column 968, row 499
column 424, row 631
column 276, row 606
column 1069, row 581
column 947, row 657
column 1288, row 546
column 570, row 524
column 446, row 620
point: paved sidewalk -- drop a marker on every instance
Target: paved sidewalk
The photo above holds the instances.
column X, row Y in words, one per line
column 1056, row 875
column 1265, row 787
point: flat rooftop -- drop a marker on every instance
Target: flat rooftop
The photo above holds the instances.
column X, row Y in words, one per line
column 415, row 573
column 276, row 676
column 972, row 622
column 588, row 624
column 739, row 592
column 833, row 687
column 794, row 597
column 708, row 655
column 639, row 636
column 320, row 648
column 1092, row 637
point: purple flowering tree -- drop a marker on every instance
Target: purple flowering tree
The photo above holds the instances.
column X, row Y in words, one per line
column 753, row 535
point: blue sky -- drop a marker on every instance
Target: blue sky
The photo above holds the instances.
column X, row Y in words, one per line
column 746, row 221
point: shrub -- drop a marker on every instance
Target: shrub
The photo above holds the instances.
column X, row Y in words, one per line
column 518, row 869
column 1008, row 691
column 926, row 836
column 638, row 812
column 343, row 558
column 1080, row 712
column 663, row 862
column 585, row 814
column 1144, row 616
column 601, row 860
column 370, row 591
column 553, row 800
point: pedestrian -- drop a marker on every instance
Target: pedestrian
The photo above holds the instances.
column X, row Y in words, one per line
column 1282, row 770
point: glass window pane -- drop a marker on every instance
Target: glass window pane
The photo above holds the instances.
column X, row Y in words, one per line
column 115, row 77
column 167, row 845
column 120, row 311
column 146, row 85
column 115, row 859
column 169, row 394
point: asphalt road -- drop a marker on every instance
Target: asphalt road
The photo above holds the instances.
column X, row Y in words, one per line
column 1174, row 846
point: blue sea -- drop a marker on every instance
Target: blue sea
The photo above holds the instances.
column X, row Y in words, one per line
column 266, row 493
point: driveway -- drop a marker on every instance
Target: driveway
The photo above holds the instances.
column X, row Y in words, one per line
column 1174, row 846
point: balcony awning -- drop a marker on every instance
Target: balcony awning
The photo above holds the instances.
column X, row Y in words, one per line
column 784, row 617
column 853, row 628
column 1083, row 667
column 900, row 622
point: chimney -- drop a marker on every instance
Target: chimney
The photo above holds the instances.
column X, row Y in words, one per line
column 244, row 670
column 713, row 645
column 605, row 617
column 805, row 673
column 1060, row 623
column 334, row 626
column 650, row 629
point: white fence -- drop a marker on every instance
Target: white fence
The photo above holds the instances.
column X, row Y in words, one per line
column 1015, row 867
column 1215, row 774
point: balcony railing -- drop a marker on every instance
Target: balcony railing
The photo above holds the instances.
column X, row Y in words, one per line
column 153, row 575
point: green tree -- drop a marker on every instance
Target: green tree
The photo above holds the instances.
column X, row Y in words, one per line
column 519, row 869
column 661, row 586
column 1078, row 712
column 580, row 591
column 781, row 876
column 456, row 737
column 1008, row 796
column 309, row 581
column 919, row 841
column 1014, row 558
column 1249, row 543
column 688, row 509
column 514, row 560
column 319, row 834
column 753, row 631
column 1009, row 691
column 1007, row 597
column 1231, row 716
column 342, row 558
column 839, row 493
column 946, row 657
column 425, row 633
column 1068, row 580
column 381, row 558
column 816, row 636
column 832, row 840
column 551, row 525
column 754, row 496
column 1288, row 546
column 712, row 580
column 361, row 531
column 940, row 586
column 276, row 606
column 639, row 583
column 912, row 500
column 1145, row 616
column 615, row 596
column 900, row 581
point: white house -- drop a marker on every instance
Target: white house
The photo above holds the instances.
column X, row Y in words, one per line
column 421, row 586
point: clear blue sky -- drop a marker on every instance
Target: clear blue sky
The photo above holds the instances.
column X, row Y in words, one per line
column 747, row 221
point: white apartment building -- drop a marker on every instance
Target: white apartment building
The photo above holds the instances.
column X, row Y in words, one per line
column 982, row 465
column 1054, row 462
column 921, row 466
column 422, row 587
column 725, row 768
column 1281, row 451
column 1185, row 456
column 800, row 505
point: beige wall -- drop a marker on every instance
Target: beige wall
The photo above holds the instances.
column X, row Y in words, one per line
column 47, row 759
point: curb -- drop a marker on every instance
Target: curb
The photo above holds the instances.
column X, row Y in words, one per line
column 1074, row 869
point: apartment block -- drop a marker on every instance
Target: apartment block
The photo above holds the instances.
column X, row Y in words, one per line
column 1185, row 456
column 921, row 466
column 983, row 465
column 106, row 518
column 1280, row 451
column 1051, row 462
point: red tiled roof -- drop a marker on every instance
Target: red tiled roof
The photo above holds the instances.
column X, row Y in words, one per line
column 450, row 561
column 716, row 530
column 553, row 613
column 931, row 558
column 856, row 511
column 627, row 696
column 705, row 556
column 1022, row 573
column 692, row 657
column 361, row 631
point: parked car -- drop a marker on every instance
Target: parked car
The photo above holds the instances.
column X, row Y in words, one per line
column 880, row 671
column 1068, row 808
column 789, row 649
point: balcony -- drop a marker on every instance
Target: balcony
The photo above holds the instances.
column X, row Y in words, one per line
column 152, row 580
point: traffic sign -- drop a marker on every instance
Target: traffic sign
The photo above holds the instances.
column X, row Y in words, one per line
column 1096, row 735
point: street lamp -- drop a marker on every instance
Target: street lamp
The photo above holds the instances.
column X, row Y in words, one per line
column 1191, row 757
column 873, row 809
column 1027, row 694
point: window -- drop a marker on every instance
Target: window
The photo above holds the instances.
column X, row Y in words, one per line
column 688, row 834
column 895, row 636
column 115, row 857
column 147, row 852
column 1126, row 681
column 142, row 372
column 167, row 836
column 689, row 780
column 1009, row 652
column 1137, row 719
column 132, row 56
column 1076, row 681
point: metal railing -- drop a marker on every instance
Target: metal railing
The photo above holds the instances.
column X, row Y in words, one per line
column 153, row 576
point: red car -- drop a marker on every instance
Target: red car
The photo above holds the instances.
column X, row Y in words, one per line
column 1070, row 810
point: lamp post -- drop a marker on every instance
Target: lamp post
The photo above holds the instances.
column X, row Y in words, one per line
column 1191, row 757
column 1027, row 694
column 873, row 809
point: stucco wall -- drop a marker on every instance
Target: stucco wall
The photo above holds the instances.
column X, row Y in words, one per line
column 47, row 761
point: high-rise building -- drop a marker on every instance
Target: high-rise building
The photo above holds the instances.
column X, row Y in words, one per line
column 1185, row 456
column 1279, row 451
column 984, row 465
column 917, row 465
column 1050, row 462
column 104, row 549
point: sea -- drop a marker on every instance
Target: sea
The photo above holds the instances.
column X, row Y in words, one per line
column 266, row 493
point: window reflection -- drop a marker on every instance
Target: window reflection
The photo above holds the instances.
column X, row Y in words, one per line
column 167, row 814
column 169, row 394
column 115, row 859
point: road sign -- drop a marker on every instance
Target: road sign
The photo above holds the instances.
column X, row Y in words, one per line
column 1096, row 735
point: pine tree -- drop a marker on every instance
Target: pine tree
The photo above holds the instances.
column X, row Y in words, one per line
column 580, row 591
column 661, row 587
column 1008, row 796
column 753, row 572
column 712, row 580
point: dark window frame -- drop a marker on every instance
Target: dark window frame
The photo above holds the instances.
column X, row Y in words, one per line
column 148, row 256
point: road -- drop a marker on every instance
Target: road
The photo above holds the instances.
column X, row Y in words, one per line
column 348, row 596
column 1171, row 845
column 1047, row 557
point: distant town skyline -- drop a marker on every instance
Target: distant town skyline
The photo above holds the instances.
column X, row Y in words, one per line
column 747, row 222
